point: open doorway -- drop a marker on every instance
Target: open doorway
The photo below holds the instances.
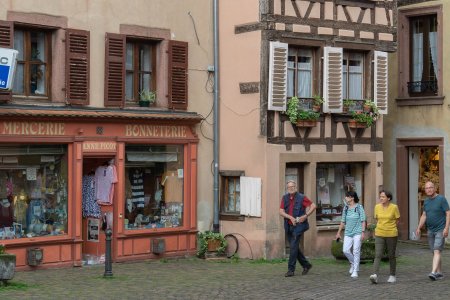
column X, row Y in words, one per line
column 423, row 166
column 99, row 177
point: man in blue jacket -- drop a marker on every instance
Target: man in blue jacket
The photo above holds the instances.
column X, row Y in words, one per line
column 295, row 208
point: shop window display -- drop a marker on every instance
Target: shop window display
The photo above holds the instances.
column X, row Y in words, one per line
column 33, row 191
column 154, row 186
column 333, row 181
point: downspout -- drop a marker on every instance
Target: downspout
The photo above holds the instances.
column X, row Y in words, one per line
column 216, row 227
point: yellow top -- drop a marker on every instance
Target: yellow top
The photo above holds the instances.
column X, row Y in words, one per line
column 386, row 220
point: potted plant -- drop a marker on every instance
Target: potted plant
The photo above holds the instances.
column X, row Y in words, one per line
column 318, row 100
column 369, row 106
column 211, row 242
column 347, row 104
column 362, row 119
column 146, row 98
column 301, row 117
column 7, row 265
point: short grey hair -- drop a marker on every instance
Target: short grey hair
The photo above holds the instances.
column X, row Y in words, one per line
column 291, row 181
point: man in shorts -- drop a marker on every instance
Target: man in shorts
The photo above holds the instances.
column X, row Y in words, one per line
column 436, row 215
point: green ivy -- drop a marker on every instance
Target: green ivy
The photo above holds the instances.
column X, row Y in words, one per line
column 204, row 237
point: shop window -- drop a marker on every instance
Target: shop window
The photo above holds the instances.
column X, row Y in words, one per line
column 154, row 186
column 33, row 191
column 140, row 69
column 131, row 67
column 333, row 181
column 33, row 62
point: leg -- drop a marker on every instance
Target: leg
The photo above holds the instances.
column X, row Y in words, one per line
column 436, row 262
column 293, row 247
column 391, row 247
column 356, row 251
column 379, row 250
column 300, row 257
column 348, row 243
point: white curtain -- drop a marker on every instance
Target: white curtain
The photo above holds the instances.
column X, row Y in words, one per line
column 433, row 50
column 417, row 58
column 304, row 73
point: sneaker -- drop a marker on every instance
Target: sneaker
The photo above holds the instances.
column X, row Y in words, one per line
column 392, row 279
column 432, row 276
column 351, row 269
column 306, row 269
column 355, row 274
column 289, row 274
column 439, row 276
column 374, row 278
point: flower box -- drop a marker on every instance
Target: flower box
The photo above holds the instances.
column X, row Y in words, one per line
column 306, row 123
column 354, row 124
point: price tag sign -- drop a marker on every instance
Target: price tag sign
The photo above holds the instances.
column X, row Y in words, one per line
column 8, row 61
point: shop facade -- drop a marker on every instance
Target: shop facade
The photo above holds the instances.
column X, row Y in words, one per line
column 67, row 180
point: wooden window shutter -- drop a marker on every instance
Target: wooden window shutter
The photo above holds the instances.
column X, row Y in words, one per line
column 115, row 70
column 278, row 56
column 6, row 41
column 77, row 66
column 332, row 79
column 380, row 84
column 178, row 75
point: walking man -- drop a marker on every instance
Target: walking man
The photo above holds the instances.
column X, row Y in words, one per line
column 295, row 208
column 436, row 215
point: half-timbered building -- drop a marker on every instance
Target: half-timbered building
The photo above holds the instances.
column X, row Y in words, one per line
column 330, row 52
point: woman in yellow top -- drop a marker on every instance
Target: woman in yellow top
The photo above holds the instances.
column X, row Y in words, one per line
column 386, row 233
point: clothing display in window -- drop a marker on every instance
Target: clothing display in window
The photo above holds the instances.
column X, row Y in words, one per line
column 173, row 187
column 6, row 213
column 89, row 203
column 105, row 178
column 137, row 187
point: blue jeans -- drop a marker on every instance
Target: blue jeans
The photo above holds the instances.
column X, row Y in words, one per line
column 295, row 253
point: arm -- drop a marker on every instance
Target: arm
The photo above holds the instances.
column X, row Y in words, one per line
column 447, row 222
column 287, row 216
column 341, row 226
column 422, row 220
column 309, row 210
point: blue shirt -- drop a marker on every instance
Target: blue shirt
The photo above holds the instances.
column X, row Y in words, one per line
column 353, row 218
column 435, row 210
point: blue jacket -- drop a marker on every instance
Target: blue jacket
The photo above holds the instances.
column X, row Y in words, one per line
column 299, row 211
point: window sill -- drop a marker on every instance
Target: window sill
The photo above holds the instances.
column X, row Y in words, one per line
column 423, row 100
column 231, row 217
column 330, row 227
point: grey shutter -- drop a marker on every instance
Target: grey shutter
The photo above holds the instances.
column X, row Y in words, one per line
column 332, row 79
column 380, row 90
column 278, row 57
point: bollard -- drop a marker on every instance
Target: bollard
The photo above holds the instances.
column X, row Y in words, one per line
column 108, row 263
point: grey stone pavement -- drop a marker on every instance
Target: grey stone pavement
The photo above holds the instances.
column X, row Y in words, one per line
column 192, row 278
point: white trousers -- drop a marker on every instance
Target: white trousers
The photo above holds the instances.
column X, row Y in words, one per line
column 354, row 257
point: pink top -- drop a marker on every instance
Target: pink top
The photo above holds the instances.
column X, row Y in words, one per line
column 105, row 177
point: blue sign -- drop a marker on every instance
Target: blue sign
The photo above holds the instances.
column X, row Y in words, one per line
column 4, row 72
column 8, row 61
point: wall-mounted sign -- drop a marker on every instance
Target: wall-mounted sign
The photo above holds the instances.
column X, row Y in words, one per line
column 156, row 131
column 8, row 60
column 99, row 146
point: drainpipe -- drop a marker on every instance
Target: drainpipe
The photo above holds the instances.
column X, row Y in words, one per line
column 216, row 118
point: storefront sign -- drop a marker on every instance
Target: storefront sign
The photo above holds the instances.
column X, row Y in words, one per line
column 33, row 128
column 8, row 63
column 156, row 131
column 99, row 146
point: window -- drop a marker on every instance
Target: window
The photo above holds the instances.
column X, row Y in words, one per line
column 33, row 62
column 352, row 75
column 333, row 181
column 424, row 55
column 136, row 65
column 154, row 186
column 33, row 191
column 300, row 73
column 231, row 195
column 140, row 69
